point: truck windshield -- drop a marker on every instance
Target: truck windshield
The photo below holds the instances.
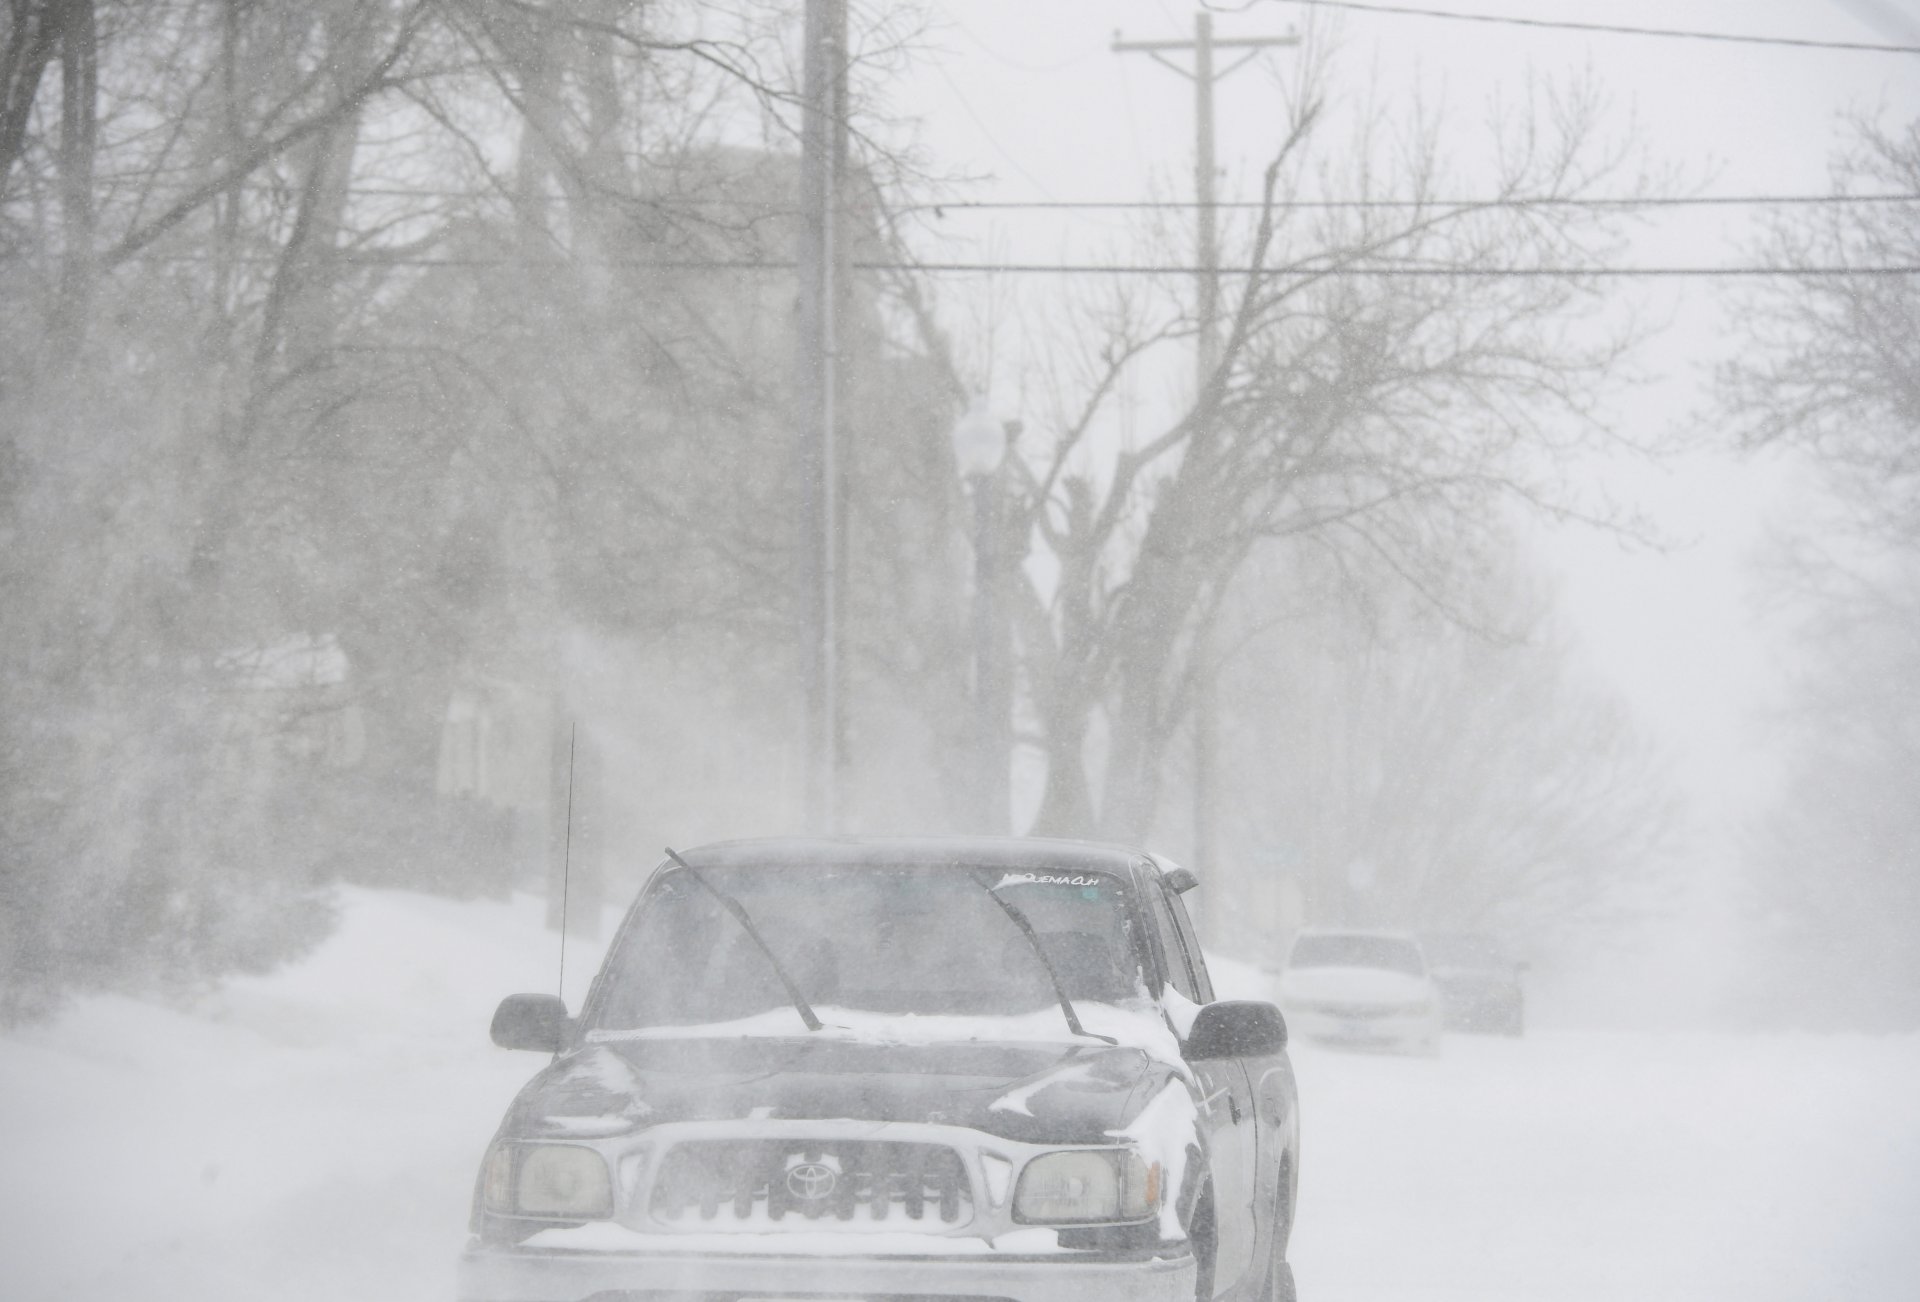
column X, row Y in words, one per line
column 906, row 939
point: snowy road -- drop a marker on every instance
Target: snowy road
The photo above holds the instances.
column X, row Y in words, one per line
column 311, row 1137
column 1596, row 1166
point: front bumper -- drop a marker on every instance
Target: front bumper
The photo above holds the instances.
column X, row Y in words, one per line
column 1391, row 1028
column 490, row 1274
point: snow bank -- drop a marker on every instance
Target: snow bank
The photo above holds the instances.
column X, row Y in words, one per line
column 309, row 1134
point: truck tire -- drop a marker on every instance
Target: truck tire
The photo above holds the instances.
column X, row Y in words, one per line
column 1201, row 1235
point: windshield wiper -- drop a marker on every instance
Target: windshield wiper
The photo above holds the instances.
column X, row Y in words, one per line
column 732, row 906
column 1040, row 952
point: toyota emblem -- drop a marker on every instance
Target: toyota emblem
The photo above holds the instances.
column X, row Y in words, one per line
column 810, row 1181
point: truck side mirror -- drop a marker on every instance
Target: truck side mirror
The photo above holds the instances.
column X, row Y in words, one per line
column 1236, row 1028
column 530, row 1022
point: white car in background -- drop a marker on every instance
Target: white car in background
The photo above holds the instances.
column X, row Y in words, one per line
column 1361, row 988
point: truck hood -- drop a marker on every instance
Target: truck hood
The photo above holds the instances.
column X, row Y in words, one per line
column 1060, row 1092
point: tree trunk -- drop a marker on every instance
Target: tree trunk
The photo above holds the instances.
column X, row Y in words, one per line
column 79, row 96
column 1064, row 672
column 1066, row 807
column 31, row 41
column 1140, row 739
column 300, row 309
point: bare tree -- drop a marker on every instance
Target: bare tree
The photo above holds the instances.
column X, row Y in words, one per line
column 1829, row 373
column 1394, row 768
column 1832, row 365
column 33, row 36
column 1389, row 378
column 385, row 352
column 1833, row 864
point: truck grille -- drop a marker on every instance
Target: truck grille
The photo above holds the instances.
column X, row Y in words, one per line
column 745, row 1182
column 1359, row 1012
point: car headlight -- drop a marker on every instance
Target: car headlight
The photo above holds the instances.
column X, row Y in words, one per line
column 560, row 1180
column 1087, row 1186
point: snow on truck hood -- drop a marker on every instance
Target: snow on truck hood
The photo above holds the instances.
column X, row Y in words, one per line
column 1364, row 985
column 1139, row 1027
column 858, row 1066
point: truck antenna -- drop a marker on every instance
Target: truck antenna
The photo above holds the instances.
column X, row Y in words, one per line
column 566, row 859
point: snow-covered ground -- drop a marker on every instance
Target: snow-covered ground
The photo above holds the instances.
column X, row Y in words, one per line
column 313, row 1135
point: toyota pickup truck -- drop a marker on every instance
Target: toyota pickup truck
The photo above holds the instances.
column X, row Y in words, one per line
column 976, row 1070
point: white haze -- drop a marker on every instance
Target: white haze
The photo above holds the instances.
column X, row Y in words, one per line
column 309, row 1133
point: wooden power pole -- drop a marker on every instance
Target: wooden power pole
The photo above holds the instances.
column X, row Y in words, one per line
column 1204, row 75
column 823, row 153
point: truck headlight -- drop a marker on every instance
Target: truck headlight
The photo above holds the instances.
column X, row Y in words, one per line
column 559, row 1180
column 1087, row 1186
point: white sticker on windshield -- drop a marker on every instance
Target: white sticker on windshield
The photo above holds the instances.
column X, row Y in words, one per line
column 1047, row 879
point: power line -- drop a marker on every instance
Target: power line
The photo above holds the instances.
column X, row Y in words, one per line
column 1425, row 272
column 1373, row 271
column 1155, row 205
column 1614, row 29
column 1569, row 201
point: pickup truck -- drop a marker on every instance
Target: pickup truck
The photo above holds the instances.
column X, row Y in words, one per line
column 978, row 1070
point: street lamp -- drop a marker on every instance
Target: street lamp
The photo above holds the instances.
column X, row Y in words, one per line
column 979, row 448
column 979, row 442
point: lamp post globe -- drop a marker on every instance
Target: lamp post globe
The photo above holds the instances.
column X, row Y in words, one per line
column 979, row 441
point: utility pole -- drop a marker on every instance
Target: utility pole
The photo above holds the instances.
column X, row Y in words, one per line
column 1206, row 342
column 823, row 152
